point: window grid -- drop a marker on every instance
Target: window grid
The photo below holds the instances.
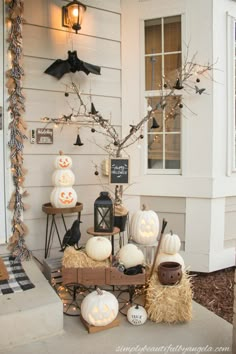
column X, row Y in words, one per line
column 155, row 93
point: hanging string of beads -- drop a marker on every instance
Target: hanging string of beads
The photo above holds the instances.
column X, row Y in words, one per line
column 17, row 126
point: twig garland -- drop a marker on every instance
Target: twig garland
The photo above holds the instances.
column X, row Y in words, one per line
column 17, row 126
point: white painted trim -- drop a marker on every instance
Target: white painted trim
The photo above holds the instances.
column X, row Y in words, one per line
column 230, row 158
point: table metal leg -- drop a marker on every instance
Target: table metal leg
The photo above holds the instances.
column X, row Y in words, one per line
column 46, row 239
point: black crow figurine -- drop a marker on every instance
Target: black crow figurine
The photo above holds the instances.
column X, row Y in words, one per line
column 72, row 236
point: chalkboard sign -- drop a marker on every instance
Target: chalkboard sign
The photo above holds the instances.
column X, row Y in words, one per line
column 119, row 171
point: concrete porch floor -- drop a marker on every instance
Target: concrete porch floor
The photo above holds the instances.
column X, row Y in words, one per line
column 205, row 333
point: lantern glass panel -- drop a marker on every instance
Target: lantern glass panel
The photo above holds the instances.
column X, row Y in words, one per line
column 103, row 213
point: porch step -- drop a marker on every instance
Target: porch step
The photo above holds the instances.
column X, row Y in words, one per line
column 31, row 314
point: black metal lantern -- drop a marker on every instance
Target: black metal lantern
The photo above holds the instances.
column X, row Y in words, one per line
column 103, row 213
column 72, row 15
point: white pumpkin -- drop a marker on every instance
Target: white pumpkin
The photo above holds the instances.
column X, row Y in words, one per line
column 137, row 315
column 64, row 178
column 165, row 257
column 130, row 255
column 144, row 227
column 170, row 243
column 63, row 161
column 98, row 248
column 63, row 197
column 99, row 308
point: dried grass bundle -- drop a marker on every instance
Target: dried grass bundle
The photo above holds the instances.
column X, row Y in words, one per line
column 79, row 259
column 169, row 304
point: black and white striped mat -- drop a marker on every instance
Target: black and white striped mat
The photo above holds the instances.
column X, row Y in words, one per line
column 18, row 280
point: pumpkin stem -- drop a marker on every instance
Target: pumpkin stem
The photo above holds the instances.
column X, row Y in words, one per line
column 137, row 306
column 171, row 232
column 99, row 291
column 61, row 152
column 144, row 207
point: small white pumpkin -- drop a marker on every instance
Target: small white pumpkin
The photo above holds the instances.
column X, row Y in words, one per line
column 165, row 257
column 64, row 178
column 137, row 315
column 63, row 197
column 130, row 255
column 171, row 243
column 99, row 308
column 144, row 227
column 98, row 248
column 63, row 161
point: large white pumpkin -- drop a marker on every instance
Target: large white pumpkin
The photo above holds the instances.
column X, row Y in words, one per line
column 130, row 255
column 63, row 161
column 98, row 248
column 144, row 227
column 164, row 257
column 170, row 243
column 137, row 315
column 99, row 308
column 63, row 197
column 64, row 178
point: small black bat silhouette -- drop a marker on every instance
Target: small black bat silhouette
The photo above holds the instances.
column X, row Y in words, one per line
column 72, row 64
column 198, row 90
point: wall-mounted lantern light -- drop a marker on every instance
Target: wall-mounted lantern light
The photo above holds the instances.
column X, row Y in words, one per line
column 72, row 15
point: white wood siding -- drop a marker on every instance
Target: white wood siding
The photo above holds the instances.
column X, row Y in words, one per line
column 45, row 40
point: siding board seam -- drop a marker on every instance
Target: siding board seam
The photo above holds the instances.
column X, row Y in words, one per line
column 81, row 34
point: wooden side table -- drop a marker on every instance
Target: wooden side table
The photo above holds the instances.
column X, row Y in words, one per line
column 111, row 234
column 51, row 211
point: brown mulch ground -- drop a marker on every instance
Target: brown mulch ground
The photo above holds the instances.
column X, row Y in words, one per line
column 215, row 291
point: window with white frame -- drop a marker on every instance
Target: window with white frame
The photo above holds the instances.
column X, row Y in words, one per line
column 163, row 58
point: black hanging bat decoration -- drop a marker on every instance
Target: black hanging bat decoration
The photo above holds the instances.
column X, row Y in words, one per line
column 72, row 236
column 72, row 64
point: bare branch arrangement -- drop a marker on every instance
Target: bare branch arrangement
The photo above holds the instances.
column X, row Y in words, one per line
column 185, row 78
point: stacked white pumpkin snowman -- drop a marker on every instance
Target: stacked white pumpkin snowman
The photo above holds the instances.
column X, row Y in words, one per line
column 170, row 246
column 63, row 195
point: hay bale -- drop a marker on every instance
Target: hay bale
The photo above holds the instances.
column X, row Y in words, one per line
column 169, row 304
column 73, row 258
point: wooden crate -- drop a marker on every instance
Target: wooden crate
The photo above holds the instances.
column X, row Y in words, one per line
column 115, row 277
column 84, row 276
column 100, row 276
column 52, row 270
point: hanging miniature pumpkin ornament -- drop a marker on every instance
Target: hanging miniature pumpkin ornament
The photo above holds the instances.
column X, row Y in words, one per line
column 99, row 308
column 137, row 315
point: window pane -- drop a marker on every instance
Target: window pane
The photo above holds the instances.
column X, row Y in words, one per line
column 155, row 151
column 158, row 116
column 172, row 114
column 153, row 72
column 172, row 34
column 172, row 63
column 172, row 151
column 153, row 36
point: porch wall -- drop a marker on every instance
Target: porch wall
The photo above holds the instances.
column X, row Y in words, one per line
column 44, row 41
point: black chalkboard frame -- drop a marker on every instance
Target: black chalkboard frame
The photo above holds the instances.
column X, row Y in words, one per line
column 119, row 161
